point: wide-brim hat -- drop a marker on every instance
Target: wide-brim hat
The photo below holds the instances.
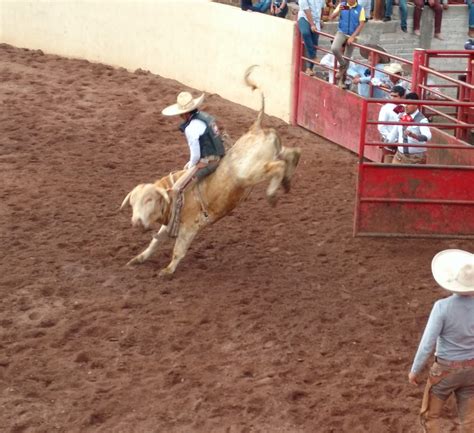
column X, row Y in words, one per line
column 453, row 270
column 364, row 52
column 184, row 104
column 393, row 68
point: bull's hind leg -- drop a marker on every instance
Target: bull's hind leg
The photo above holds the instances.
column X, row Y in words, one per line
column 145, row 255
column 275, row 170
column 184, row 239
column 291, row 157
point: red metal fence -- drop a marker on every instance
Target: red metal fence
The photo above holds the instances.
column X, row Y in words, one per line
column 431, row 200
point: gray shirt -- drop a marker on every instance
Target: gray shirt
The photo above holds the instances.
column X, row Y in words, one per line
column 450, row 328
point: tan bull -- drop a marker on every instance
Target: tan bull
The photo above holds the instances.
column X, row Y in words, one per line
column 255, row 157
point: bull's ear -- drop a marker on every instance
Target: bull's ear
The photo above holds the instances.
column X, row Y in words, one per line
column 164, row 193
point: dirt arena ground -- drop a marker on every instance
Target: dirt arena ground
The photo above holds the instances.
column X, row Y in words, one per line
column 278, row 320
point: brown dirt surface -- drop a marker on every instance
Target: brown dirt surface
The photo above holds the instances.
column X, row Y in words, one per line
column 278, row 319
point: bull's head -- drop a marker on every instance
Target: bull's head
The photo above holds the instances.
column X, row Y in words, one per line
column 150, row 203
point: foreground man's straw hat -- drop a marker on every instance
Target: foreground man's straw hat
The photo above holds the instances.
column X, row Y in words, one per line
column 184, row 104
column 453, row 270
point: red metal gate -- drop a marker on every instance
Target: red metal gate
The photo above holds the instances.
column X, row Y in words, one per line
column 432, row 200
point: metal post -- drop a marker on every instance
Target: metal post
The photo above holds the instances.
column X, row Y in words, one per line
column 363, row 130
column 297, row 53
column 418, row 76
column 379, row 10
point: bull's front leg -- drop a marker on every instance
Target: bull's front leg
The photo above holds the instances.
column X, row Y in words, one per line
column 275, row 171
column 183, row 241
column 291, row 157
column 145, row 255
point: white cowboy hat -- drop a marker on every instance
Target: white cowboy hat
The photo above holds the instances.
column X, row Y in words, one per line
column 184, row 104
column 453, row 270
column 393, row 68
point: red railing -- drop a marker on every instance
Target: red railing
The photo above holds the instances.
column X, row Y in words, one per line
column 435, row 199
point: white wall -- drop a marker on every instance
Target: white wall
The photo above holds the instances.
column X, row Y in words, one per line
column 202, row 44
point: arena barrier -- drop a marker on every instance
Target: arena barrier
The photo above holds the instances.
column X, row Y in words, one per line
column 431, row 200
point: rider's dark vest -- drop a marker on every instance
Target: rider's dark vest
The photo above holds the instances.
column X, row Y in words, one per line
column 210, row 142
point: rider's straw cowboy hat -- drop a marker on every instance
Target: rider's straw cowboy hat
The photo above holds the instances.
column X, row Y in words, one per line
column 393, row 68
column 453, row 270
column 184, row 104
column 364, row 52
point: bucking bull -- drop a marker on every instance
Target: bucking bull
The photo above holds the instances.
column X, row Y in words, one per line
column 255, row 157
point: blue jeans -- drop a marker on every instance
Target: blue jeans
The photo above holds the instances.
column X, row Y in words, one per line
column 403, row 11
column 261, row 6
column 310, row 40
column 470, row 4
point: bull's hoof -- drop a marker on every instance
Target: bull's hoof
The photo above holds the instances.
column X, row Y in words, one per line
column 166, row 274
column 135, row 261
column 272, row 199
column 286, row 184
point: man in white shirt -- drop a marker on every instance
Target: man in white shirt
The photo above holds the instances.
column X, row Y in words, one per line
column 205, row 145
column 411, row 137
column 309, row 24
column 450, row 334
column 390, row 112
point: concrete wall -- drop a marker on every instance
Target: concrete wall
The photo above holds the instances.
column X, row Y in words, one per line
column 202, row 44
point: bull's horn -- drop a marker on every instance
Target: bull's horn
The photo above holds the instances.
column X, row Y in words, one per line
column 125, row 200
column 164, row 193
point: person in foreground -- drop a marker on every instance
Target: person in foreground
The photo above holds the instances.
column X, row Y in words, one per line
column 450, row 333
column 205, row 144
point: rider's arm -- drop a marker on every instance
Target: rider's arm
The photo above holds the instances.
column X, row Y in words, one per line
column 194, row 130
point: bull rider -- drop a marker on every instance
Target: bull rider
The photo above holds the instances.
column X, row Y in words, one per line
column 206, row 148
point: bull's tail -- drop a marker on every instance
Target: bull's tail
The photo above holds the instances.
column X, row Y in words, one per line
column 258, row 123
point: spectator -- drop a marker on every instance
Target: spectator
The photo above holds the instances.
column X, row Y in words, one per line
column 366, row 5
column 327, row 10
column 260, row 6
column 394, row 72
column 438, row 15
column 309, row 23
column 470, row 5
column 403, row 10
column 364, row 76
column 450, row 334
column 351, row 23
column 415, row 135
column 328, row 60
column 279, row 8
column 390, row 113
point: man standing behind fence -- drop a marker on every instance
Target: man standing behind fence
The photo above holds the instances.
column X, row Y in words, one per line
column 351, row 23
column 309, row 24
column 410, row 136
column 390, row 113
